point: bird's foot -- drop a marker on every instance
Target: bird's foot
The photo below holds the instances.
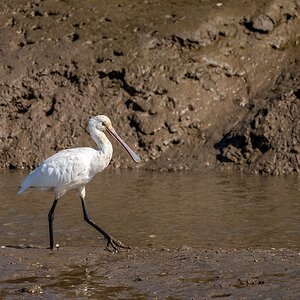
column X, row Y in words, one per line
column 115, row 245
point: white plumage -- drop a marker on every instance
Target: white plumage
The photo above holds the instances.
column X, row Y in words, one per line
column 65, row 170
column 74, row 168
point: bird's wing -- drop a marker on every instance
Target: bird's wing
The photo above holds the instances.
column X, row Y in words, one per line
column 64, row 169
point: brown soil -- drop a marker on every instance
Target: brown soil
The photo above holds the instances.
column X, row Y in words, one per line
column 185, row 273
column 268, row 140
column 185, row 83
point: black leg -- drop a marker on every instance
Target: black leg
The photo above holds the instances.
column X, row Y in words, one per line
column 110, row 240
column 50, row 220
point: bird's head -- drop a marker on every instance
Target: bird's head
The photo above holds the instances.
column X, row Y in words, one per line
column 102, row 123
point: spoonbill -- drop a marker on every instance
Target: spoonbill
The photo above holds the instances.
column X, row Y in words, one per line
column 72, row 169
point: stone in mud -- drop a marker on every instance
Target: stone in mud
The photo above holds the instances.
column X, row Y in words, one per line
column 262, row 23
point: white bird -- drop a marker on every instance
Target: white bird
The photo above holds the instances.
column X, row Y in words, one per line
column 74, row 168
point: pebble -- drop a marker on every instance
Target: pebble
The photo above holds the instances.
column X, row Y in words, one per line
column 185, row 248
column 263, row 23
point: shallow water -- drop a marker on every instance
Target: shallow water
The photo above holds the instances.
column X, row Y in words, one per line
column 150, row 209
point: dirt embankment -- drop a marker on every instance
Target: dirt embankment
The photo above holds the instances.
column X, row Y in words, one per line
column 188, row 85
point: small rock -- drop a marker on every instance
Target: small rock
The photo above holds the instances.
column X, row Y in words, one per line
column 263, row 23
column 74, row 37
column 185, row 248
column 254, row 155
column 232, row 154
column 32, row 290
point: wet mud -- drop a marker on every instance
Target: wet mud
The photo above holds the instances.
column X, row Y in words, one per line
column 183, row 273
column 184, row 82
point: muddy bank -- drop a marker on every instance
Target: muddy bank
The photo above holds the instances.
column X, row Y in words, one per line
column 175, row 78
column 184, row 273
column 266, row 141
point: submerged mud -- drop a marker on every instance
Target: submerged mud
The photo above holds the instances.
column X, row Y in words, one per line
column 182, row 81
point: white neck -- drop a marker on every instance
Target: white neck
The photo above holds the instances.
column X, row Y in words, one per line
column 103, row 143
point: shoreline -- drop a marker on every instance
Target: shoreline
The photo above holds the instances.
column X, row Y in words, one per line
column 185, row 273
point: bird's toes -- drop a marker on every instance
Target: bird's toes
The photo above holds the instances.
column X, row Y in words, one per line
column 110, row 247
column 113, row 245
column 120, row 244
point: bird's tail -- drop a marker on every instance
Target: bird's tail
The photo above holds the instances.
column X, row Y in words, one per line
column 25, row 185
column 21, row 189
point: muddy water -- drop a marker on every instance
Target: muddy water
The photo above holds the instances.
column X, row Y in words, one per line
column 147, row 209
